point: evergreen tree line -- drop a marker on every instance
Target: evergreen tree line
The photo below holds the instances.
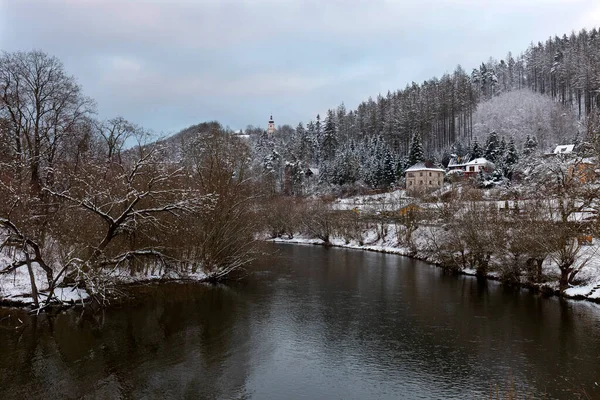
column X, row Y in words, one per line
column 368, row 143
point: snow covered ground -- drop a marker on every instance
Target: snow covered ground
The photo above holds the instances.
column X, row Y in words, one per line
column 15, row 287
column 382, row 202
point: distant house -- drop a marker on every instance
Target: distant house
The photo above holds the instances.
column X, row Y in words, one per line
column 473, row 167
column 563, row 149
column 584, row 170
column 423, row 177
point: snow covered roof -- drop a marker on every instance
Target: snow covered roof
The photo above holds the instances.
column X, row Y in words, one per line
column 479, row 160
column 423, row 167
column 457, row 161
column 564, row 149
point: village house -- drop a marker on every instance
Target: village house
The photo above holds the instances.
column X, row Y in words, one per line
column 584, row 170
column 563, row 149
column 422, row 177
column 473, row 167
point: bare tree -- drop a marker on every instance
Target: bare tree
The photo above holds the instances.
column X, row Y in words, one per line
column 570, row 198
column 223, row 239
column 115, row 133
column 41, row 107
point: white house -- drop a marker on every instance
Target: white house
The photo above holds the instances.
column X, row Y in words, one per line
column 564, row 149
column 473, row 167
column 422, row 177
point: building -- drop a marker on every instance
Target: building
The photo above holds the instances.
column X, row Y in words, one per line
column 422, row 177
column 584, row 170
column 473, row 167
column 564, row 149
column 271, row 126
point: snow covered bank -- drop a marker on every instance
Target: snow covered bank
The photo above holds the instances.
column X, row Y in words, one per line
column 588, row 282
column 15, row 287
column 387, row 201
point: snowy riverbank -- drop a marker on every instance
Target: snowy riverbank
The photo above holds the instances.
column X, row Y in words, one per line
column 588, row 287
column 15, row 287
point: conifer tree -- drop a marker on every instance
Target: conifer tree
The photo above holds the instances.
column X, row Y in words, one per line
column 529, row 146
column 476, row 151
column 501, row 149
column 512, row 156
column 389, row 173
column 329, row 142
column 416, row 154
column 303, row 144
column 492, row 147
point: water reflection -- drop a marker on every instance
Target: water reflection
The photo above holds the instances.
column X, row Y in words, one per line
column 310, row 323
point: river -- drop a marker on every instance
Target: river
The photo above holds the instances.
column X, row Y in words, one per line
column 309, row 323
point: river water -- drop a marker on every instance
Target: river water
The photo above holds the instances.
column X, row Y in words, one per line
column 310, row 323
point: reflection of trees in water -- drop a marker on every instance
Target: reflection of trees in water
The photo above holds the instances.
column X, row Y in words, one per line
column 419, row 319
column 182, row 340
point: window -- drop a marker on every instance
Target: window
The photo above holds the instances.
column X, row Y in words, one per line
column 429, row 182
column 420, row 174
column 410, row 175
column 409, row 183
column 471, row 169
column 420, row 182
column 430, row 174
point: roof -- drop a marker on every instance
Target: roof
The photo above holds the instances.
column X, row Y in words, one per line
column 456, row 161
column 479, row 160
column 423, row 167
column 564, row 149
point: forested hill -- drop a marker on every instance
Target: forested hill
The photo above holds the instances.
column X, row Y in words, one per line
column 532, row 102
column 441, row 110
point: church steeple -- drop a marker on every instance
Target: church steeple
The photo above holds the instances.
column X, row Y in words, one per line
column 271, row 126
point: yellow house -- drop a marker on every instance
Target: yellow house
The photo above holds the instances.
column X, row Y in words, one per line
column 422, row 177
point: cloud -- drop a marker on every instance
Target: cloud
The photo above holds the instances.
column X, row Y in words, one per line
column 168, row 63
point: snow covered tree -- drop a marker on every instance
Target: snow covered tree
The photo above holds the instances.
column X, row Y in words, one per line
column 512, row 155
column 476, row 151
column 318, row 138
column 329, row 141
column 492, row 147
column 416, row 153
column 501, row 149
column 529, row 146
column 389, row 174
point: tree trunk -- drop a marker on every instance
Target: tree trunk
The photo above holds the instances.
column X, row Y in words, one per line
column 538, row 269
column 564, row 279
column 34, row 292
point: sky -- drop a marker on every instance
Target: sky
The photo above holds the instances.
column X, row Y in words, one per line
column 166, row 65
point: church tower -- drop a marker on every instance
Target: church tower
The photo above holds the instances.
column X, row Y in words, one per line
column 271, row 126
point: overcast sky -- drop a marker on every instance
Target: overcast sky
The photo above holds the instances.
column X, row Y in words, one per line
column 169, row 64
